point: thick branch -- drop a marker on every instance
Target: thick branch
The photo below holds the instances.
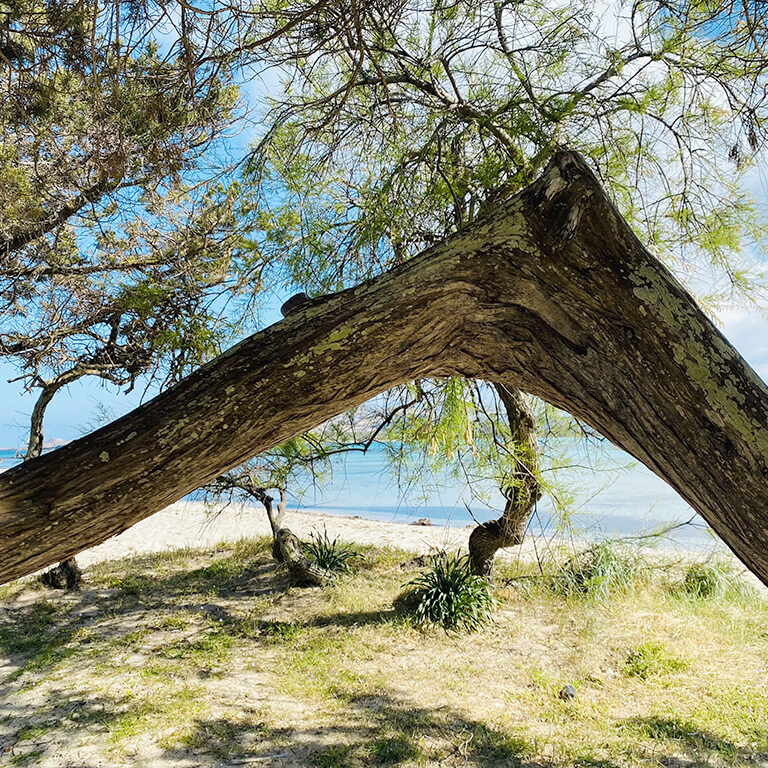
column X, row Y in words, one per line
column 551, row 292
column 21, row 239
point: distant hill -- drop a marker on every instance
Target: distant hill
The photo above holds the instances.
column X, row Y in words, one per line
column 55, row 442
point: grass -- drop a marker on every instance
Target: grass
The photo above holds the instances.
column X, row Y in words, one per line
column 449, row 595
column 210, row 657
column 329, row 553
column 651, row 659
column 599, row 572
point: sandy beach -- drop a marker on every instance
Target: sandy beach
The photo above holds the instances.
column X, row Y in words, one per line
column 192, row 524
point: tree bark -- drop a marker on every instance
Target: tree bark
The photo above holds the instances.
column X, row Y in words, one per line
column 302, row 570
column 551, row 293
column 521, row 493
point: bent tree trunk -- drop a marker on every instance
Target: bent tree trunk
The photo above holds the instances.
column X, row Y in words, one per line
column 286, row 546
column 521, row 492
column 551, row 292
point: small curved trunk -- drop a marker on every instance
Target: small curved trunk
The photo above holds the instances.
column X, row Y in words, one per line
column 521, row 493
column 286, row 547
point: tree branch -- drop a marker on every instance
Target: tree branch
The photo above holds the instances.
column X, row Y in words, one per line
column 550, row 292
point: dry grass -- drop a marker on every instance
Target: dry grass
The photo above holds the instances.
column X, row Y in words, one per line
column 209, row 658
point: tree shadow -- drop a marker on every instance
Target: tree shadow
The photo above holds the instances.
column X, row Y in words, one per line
column 220, row 738
column 39, row 629
column 32, row 732
column 701, row 747
column 380, row 731
column 357, row 618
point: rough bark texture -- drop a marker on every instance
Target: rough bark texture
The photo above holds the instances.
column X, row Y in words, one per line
column 303, row 571
column 552, row 293
column 521, row 494
column 275, row 517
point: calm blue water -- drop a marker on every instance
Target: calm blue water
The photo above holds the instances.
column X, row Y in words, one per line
column 627, row 503
column 630, row 502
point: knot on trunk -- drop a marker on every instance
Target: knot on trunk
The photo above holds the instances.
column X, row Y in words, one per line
column 66, row 575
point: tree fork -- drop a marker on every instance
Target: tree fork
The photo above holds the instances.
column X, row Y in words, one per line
column 550, row 292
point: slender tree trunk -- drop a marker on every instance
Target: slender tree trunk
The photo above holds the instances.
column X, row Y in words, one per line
column 35, row 441
column 551, row 293
column 67, row 574
column 275, row 516
column 521, row 493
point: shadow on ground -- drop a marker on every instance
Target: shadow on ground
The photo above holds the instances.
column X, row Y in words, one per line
column 170, row 618
column 380, row 731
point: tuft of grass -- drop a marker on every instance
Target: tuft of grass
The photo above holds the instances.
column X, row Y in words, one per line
column 338, row 756
column 391, row 750
column 599, row 572
column 328, row 553
column 494, row 745
column 222, row 738
column 715, row 581
column 651, row 659
column 704, row 581
column 450, row 595
column 279, row 631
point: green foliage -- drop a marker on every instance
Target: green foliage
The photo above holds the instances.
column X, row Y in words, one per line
column 704, row 581
column 714, row 581
column 328, row 553
column 391, row 750
column 450, row 595
column 651, row 659
column 460, row 106
column 119, row 228
column 598, row 572
column 339, row 756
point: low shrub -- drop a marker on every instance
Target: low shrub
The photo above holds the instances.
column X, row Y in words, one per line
column 598, row 572
column 328, row 553
column 450, row 595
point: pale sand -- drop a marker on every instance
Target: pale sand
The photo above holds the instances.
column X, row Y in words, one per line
column 190, row 524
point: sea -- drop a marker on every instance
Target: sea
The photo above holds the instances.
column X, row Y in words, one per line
column 608, row 495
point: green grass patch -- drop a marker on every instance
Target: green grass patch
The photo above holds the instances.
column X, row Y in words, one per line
column 391, row 750
column 652, row 659
column 600, row 572
column 337, row 756
column 333, row 676
column 221, row 738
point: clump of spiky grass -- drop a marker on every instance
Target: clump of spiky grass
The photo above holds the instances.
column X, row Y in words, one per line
column 328, row 553
column 598, row 572
column 714, row 581
column 450, row 595
column 705, row 581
